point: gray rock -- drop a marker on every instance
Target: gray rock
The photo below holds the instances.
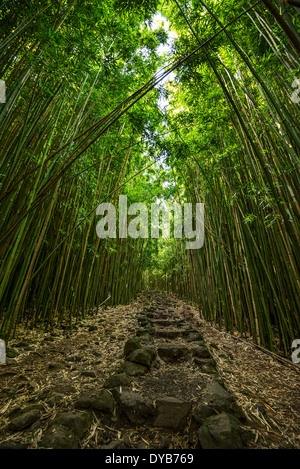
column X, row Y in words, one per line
column 63, row 388
column 148, row 314
column 216, row 397
column 165, row 442
column 131, row 345
column 74, row 359
column 151, row 350
column 200, row 351
column 220, row 399
column 98, row 400
column 169, row 333
column 88, row 373
column 22, row 343
column 207, row 365
column 58, row 437
column 117, row 379
column 115, row 444
column 220, row 432
column 27, row 418
column 172, row 413
column 116, row 392
column 194, row 337
column 145, row 330
column 137, row 408
column 11, row 353
column 171, row 353
column 10, row 445
column 77, row 422
column 140, row 356
column 202, row 412
column 133, row 369
column 143, row 321
column 200, row 343
column 165, row 322
column 56, row 366
column 145, row 338
column 55, row 398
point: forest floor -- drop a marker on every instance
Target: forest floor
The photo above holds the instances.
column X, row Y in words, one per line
column 51, row 372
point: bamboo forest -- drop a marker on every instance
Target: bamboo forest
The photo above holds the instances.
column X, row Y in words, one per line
column 122, row 326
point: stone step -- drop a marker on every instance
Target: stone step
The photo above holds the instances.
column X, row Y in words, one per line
column 165, row 412
column 173, row 353
column 163, row 316
column 169, row 333
column 164, row 322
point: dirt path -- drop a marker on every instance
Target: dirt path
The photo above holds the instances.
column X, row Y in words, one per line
column 152, row 375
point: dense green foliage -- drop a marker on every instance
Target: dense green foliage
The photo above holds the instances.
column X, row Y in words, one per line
column 82, row 124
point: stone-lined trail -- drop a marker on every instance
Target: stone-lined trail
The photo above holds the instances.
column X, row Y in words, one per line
column 159, row 386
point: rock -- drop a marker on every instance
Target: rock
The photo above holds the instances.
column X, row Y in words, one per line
column 216, row 397
column 142, row 446
column 64, row 388
column 202, row 412
column 172, row 413
column 165, row 442
column 115, row 444
column 58, row 437
column 137, row 408
column 77, row 422
column 140, row 356
column 145, row 338
column 207, row 365
column 27, row 418
column 149, row 314
column 55, row 398
column 49, row 339
column 132, row 369
column 14, row 412
column 169, row 333
column 22, row 343
column 143, row 321
column 200, row 351
column 200, row 343
column 98, row 400
column 55, row 366
column 172, row 353
column 116, row 392
column 74, row 358
column 10, row 445
column 215, row 346
column 164, row 322
column 220, row 432
column 11, row 353
column 118, row 379
column 145, row 330
column 89, row 374
column 151, row 350
column 131, row 345
column 194, row 336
